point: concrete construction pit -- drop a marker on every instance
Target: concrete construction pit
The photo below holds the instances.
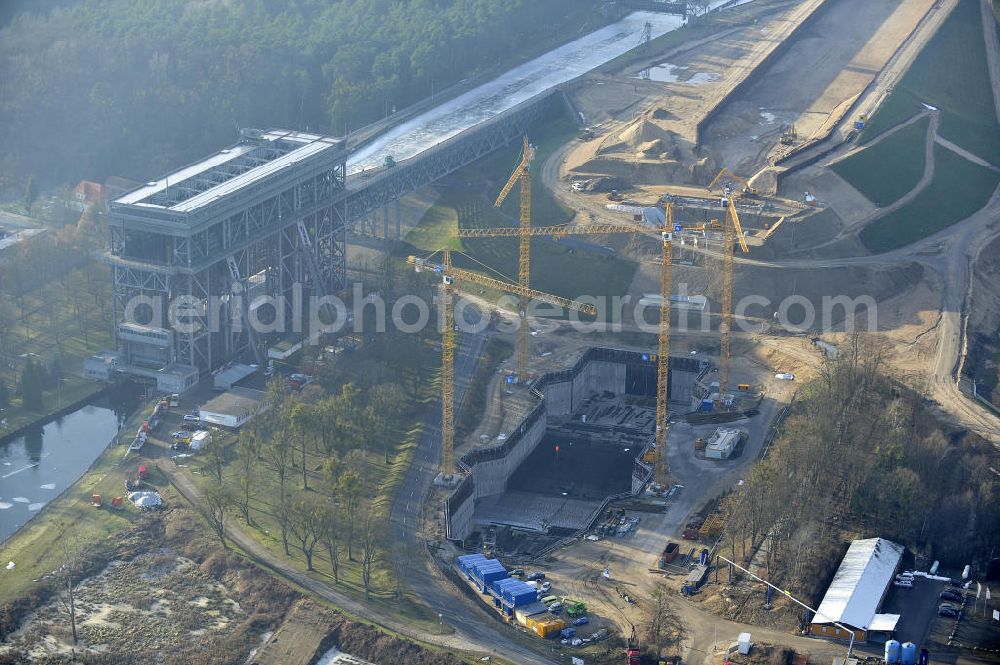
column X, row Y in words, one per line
column 579, row 446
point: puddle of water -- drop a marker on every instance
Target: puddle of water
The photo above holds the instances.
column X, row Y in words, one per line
column 667, row 73
column 35, row 506
column 47, row 486
column 768, row 117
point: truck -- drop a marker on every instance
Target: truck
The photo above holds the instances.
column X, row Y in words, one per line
column 632, row 654
column 692, row 530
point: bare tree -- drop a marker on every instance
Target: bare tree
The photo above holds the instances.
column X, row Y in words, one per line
column 248, row 448
column 216, row 459
column 331, row 538
column 661, row 619
column 218, row 500
column 279, row 453
column 284, row 514
column 349, row 488
column 69, row 569
column 301, row 423
column 371, row 543
column 306, row 525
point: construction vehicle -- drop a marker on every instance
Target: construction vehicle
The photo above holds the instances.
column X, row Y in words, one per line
column 788, row 135
column 632, row 654
column 615, row 195
column 733, row 231
column 746, row 190
column 662, row 357
column 522, row 175
column 389, row 162
column 448, row 276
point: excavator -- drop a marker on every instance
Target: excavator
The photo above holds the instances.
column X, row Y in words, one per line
column 747, row 189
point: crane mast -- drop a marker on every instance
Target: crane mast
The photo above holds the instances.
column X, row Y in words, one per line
column 663, row 352
column 665, row 236
column 522, row 176
column 732, row 231
column 448, row 276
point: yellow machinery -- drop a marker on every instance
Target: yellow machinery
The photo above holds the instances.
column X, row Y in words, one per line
column 663, row 337
column 732, row 228
column 522, row 175
column 448, row 276
column 747, row 189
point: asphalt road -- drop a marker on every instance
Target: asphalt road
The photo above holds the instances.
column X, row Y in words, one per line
column 916, row 608
column 471, row 623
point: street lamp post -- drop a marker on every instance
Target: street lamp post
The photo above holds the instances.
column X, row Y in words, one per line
column 850, row 644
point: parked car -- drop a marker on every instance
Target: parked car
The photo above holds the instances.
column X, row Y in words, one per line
column 904, row 583
column 544, row 588
column 947, row 606
column 517, row 572
column 582, row 621
column 192, row 418
column 579, row 186
column 535, row 576
column 180, row 445
column 905, row 575
column 555, row 608
column 948, row 594
column 785, row 376
column 947, row 612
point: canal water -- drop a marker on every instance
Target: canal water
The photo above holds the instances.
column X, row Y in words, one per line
column 38, row 465
column 506, row 91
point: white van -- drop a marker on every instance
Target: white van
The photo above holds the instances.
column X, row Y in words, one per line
column 903, row 582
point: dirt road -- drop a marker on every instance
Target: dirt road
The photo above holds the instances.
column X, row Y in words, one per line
column 487, row 640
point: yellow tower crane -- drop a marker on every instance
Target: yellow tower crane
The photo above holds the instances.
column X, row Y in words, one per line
column 733, row 231
column 449, row 274
column 663, row 337
column 522, row 175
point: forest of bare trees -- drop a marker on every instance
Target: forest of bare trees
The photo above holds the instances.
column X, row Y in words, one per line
column 860, row 456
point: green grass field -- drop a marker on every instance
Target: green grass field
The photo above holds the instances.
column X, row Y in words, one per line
column 950, row 73
column 959, row 189
column 36, row 548
column 886, row 171
column 467, row 200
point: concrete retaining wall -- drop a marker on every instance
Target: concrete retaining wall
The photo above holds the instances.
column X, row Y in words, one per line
column 488, row 469
column 758, row 72
column 491, row 476
column 597, row 377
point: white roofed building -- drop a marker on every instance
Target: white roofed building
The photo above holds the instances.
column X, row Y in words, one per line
column 857, row 591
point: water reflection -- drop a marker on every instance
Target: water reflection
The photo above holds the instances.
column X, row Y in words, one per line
column 43, row 461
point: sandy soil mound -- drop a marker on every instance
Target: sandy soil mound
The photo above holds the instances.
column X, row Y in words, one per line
column 642, row 131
